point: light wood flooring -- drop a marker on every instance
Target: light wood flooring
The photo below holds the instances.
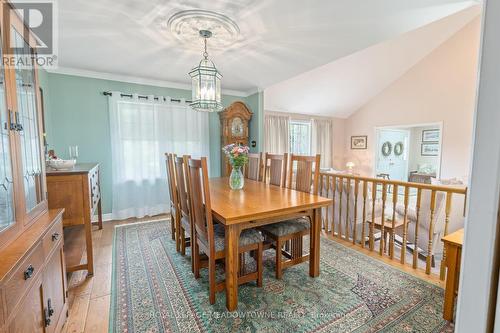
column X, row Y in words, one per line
column 89, row 298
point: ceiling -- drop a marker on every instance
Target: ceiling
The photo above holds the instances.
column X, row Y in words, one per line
column 279, row 39
column 343, row 86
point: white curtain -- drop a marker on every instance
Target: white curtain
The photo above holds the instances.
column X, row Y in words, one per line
column 142, row 131
column 276, row 134
column 322, row 140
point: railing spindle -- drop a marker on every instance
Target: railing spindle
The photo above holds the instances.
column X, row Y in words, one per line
column 354, row 227
column 394, row 203
column 326, row 215
column 320, row 193
column 382, row 220
column 405, row 226
column 334, row 187
column 431, row 232
column 341, row 189
column 372, row 225
column 363, row 235
column 447, row 212
column 348, row 208
column 415, row 241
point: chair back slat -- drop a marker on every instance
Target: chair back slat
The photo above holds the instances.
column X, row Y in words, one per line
column 306, row 171
column 200, row 195
column 252, row 169
column 181, row 186
column 172, row 188
column 275, row 169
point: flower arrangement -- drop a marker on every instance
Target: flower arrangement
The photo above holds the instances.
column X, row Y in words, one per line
column 238, row 157
column 237, row 154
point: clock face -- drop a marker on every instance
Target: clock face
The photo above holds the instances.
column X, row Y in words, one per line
column 237, row 126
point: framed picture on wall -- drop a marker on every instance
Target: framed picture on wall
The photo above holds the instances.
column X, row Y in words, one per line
column 432, row 135
column 430, row 149
column 359, row 142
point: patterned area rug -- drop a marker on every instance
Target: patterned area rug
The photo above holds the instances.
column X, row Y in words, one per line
column 153, row 290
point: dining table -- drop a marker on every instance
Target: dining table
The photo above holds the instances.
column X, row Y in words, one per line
column 258, row 204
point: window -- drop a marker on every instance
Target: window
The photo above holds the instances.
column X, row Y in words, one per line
column 300, row 137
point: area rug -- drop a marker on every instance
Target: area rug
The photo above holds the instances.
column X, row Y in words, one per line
column 153, row 290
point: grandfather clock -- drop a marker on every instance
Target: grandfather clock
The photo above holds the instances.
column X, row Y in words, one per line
column 234, row 129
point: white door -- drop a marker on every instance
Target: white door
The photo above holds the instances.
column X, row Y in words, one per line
column 392, row 153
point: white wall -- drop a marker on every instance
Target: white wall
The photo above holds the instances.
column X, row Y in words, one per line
column 440, row 88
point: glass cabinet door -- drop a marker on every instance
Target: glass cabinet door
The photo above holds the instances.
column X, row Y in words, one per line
column 7, row 217
column 27, row 117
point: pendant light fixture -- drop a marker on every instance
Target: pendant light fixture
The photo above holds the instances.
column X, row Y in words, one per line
column 206, row 82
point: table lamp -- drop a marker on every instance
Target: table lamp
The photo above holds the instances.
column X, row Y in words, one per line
column 350, row 166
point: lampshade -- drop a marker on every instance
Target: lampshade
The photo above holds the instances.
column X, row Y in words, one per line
column 350, row 165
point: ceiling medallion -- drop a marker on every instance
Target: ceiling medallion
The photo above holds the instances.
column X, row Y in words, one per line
column 186, row 25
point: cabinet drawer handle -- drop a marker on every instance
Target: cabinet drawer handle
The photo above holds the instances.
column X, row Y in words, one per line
column 28, row 273
column 55, row 236
column 19, row 126
column 50, row 308
column 47, row 318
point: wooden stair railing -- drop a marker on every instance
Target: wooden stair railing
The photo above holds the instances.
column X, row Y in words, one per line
column 363, row 204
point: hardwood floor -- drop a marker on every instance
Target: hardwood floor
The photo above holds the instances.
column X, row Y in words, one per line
column 89, row 298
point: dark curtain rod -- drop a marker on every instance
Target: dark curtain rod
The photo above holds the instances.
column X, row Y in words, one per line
column 109, row 93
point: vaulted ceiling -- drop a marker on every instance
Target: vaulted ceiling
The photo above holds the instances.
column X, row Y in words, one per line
column 280, row 39
column 343, row 86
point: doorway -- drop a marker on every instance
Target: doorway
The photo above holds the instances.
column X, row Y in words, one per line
column 409, row 153
column 392, row 157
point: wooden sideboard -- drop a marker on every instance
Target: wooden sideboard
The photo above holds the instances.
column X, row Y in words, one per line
column 78, row 192
column 33, row 288
column 453, row 250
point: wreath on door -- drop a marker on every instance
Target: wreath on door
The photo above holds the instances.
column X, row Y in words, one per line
column 386, row 148
column 398, row 148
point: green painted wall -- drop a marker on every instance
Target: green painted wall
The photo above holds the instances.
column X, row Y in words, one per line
column 256, row 104
column 76, row 113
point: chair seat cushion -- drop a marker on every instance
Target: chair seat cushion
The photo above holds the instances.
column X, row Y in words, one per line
column 247, row 237
column 288, row 227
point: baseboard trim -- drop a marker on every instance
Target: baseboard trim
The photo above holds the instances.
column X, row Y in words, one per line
column 105, row 217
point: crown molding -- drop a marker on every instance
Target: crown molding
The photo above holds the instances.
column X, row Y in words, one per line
column 253, row 91
column 133, row 79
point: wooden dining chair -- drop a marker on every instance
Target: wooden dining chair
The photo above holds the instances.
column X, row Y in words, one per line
column 275, row 169
column 209, row 238
column 252, row 169
column 301, row 177
column 182, row 193
column 174, row 199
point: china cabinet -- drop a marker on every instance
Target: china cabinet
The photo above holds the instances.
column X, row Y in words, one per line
column 234, row 129
column 32, row 270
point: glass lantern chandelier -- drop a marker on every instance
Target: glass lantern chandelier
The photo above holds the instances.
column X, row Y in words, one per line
column 205, row 82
